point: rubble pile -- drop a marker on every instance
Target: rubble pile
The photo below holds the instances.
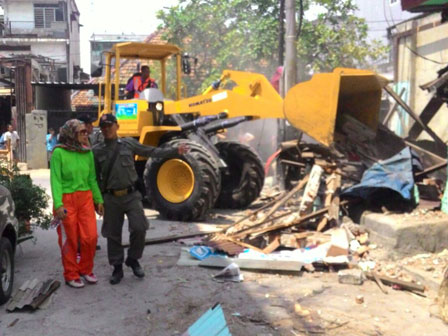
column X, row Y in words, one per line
column 308, row 227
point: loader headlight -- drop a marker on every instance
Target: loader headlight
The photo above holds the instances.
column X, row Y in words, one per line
column 159, row 106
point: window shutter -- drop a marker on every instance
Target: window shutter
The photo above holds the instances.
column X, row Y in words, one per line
column 49, row 17
column 38, row 17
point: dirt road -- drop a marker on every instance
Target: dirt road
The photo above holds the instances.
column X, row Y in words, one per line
column 170, row 298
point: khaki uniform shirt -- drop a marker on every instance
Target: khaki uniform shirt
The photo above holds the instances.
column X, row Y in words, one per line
column 123, row 173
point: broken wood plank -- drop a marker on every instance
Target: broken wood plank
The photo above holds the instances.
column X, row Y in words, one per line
column 333, row 212
column 299, row 220
column 393, row 109
column 431, row 169
column 273, row 245
column 312, row 187
column 293, row 163
column 329, row 192
column 173, row 237
column 287, row 197
column 244, row 244
column 403, row 284
column 236, row 226
column 292, row 240
column 379, row 283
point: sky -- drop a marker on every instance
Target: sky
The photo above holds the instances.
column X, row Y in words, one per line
column 116, row 17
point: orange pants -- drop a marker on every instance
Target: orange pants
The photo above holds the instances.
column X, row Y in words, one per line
column 78, row 230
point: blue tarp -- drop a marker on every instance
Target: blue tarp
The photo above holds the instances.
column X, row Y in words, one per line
column 395, row 173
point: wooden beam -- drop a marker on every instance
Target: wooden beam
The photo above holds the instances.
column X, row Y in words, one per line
column 414, row 116
column 287, row 197
column 431, row 169
column 393, row 109
column 403, row 284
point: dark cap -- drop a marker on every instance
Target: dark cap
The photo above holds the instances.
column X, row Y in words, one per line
column 86, row 119
column 107, row 119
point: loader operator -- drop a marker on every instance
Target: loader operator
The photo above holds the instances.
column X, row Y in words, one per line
column 140, row 81
column 114, row 160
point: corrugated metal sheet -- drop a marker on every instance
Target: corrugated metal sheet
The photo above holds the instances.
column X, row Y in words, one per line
column 226, row 246
column 32, row 294
column 212, row 323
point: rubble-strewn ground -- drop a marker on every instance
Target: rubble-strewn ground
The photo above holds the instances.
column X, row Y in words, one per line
column 171, row 298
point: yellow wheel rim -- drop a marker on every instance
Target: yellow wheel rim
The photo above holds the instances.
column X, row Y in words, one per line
column 175, row 180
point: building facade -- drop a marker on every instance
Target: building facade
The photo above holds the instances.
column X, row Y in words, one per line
column 43, row 28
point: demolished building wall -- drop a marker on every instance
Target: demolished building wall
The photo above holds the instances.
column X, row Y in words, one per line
column 420, row 50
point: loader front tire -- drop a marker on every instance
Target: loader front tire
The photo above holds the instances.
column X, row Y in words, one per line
column 243, row 178
column 183, row 187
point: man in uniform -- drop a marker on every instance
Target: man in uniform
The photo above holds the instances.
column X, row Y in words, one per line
column 114, row 159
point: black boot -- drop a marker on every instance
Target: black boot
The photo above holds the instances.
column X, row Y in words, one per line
column 136, row 268
column 117, row 274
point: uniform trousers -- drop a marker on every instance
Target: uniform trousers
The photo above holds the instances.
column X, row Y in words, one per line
column 78, row 230
column 115, row 207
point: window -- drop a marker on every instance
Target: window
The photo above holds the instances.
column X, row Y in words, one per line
column 45, row 14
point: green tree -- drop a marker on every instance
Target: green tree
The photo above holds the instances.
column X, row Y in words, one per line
column 244, row 35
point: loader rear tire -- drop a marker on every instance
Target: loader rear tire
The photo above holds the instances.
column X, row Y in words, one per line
column 183, row 187
column 243, row 179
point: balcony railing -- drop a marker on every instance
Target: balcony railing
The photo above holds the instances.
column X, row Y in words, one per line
column 57, row 29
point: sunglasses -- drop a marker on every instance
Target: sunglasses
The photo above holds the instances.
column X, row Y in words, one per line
column 83, row 132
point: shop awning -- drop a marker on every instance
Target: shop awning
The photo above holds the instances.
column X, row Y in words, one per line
column 424, row 5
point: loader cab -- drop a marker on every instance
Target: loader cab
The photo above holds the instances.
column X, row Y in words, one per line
column 147, row 110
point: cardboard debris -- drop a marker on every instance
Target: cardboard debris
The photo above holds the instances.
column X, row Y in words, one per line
column 339, row 244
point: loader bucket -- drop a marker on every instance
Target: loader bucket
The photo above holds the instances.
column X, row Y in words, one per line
column 346, row 100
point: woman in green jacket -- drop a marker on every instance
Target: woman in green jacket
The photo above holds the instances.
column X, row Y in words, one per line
column 75, row 196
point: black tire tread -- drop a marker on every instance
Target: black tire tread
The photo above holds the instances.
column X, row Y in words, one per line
column 202, row 199
column 239, row 189
column 5, row 245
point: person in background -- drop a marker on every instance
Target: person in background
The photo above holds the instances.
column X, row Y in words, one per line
column 75, row 196
column 51, row 142
column 276, row 78
column 2, row 141
column 12, row 142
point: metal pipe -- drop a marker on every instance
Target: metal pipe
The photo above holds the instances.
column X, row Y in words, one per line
column 225, row 124
column 202, row 121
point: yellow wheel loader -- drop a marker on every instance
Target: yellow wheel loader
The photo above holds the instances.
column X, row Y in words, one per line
column 224, row 174
column 339, row 106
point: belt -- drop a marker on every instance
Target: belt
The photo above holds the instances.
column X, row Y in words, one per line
column 121, row 192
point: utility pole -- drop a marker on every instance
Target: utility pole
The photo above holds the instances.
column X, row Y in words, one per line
column 290, row 57
column 281, row 30
column 290, row 61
